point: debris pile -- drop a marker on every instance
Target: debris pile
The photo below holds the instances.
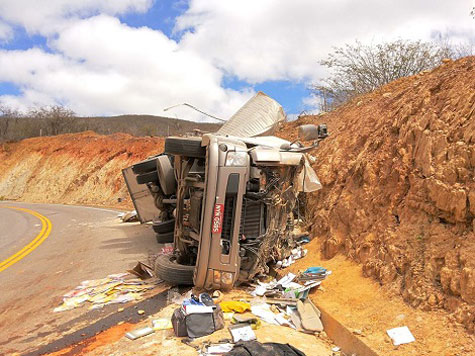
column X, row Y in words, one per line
column 296, row 254
column 115, row 288
column 281, row 303
column 289, row 286
column 399, row 187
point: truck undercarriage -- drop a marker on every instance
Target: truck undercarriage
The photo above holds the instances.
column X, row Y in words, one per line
column 231, row 202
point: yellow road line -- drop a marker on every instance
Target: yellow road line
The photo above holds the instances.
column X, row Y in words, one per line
column 38, row 240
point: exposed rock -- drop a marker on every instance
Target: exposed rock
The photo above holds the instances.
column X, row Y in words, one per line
column 399, row 187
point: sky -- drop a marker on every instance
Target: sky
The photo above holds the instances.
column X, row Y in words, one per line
column 110, row 57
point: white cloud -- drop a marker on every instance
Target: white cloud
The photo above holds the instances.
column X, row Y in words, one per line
column 100, row 65
column 48, row 17
column 6, row 32
column 313, row 104
column 280, row 39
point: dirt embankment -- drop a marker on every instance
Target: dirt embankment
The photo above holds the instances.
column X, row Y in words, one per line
column 399, row 188
column 73, row 169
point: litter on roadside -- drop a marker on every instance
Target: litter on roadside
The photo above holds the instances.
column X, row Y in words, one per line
column 246, row 318
column 142, row 270
column 137, row 333
column 235, row 306
column 292, row 286
column 115, row 288
column 285, row 301
column 309, row 316
column 255, row 348
column 242, row 332
column 162, row 324
column 296, row 254
column 401, row 335
column 129, row 216
column 197, row 316
column 217, row 349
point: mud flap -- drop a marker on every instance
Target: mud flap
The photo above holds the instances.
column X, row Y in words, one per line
column 141, row 197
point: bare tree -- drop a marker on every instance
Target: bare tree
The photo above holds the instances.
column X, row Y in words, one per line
column 8, row 118
column 454, row 50
column 358, row 68
column 56, row 119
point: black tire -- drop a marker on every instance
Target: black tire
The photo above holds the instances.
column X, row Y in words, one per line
column 165, row 237
column 145, row 166
column 189, row 147
column 147, row 177
column 163, row 226
column 167, row 269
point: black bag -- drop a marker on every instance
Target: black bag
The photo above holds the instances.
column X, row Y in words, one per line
column 255, row 348
column 197, row 324
column 179, row 322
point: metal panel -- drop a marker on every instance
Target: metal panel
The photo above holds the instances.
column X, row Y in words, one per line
column 141, row 197
column 259, row 116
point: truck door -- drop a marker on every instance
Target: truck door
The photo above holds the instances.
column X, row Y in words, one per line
column 141, row 197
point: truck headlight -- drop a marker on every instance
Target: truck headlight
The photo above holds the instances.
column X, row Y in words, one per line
column 236, row 159
column 227, row 278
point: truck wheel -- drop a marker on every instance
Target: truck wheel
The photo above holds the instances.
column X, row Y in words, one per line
column 147, row 177
column 145, row 166
column 169, row 270
column 165, row 237
column 161, row 227
column 189, row 147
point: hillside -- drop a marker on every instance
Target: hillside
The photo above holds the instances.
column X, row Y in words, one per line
column 53, row 123
column 73, row 168
column 399, row 189
column 143, row 125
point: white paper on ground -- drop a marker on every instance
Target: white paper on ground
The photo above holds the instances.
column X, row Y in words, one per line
column 401, row 335
column 262, row 311
column 260, row 290
column 284, row 322
column 244, row 333
column 219, row 348
column 284, row 281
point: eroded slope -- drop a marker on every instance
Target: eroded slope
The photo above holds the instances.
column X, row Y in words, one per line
column 399, row 189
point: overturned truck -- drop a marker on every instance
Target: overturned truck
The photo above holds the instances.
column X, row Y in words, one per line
column 227, row 200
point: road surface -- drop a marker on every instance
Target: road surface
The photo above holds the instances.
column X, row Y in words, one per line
column 45, row 251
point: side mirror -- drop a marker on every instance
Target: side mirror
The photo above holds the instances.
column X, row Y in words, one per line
column 312, row 132
column 322, row 131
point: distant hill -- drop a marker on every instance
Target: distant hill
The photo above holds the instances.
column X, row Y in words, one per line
column 18, row 128
column 143, row 125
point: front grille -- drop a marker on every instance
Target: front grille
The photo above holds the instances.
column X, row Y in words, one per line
column 252, row 219
column 228, row 217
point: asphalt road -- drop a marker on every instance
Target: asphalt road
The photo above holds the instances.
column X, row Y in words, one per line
column 46, row 251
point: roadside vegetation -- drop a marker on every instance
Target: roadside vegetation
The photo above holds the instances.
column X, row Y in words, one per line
column 357, row 68
column 55, row 120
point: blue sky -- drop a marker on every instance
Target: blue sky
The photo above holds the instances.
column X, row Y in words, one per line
column 139, row 56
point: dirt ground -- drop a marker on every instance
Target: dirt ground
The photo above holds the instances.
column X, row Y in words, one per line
column 362, row 304
column 164, row 343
